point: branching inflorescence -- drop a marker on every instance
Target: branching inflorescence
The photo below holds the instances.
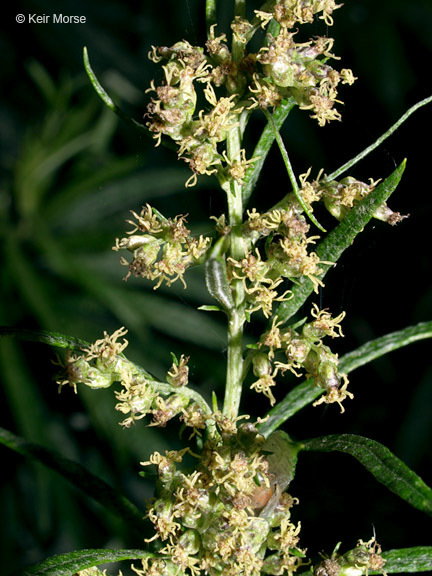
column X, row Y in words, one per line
column 229, row 513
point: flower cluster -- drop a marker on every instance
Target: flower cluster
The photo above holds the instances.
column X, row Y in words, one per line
column 301, row 71
column 302, row 350
column 365, row 556
column 228, row 516
column 102, row 363
column 99, row 365
column 340, row 197
column 162, row 248
column 260, row 289
column 287, row 255
column 171, row 113
column 281, row 70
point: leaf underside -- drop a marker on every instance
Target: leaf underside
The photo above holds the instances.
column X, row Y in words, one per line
column 72, row 562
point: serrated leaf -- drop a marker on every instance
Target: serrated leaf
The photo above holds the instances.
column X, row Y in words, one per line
column 78, row 476
column 382, row 463
column 339, row 239
column 72, row 562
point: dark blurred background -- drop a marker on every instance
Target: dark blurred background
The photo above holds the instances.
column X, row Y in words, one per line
column 70, row 173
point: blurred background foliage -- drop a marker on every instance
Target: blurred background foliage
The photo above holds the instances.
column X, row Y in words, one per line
column 70, row 173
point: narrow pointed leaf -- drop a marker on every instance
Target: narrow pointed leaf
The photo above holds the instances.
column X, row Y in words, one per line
column 377, row 142
column 45, row 337
column 296, row 190
column 78, row 476
column 306, row 392
column 407, row 560
column 380, row 462
column 339, row 239
column 299, row 397
column 263, row 148
column 380, row 346
column 106, row 99
column 72, row 562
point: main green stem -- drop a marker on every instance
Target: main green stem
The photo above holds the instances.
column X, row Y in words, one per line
column 236, row 317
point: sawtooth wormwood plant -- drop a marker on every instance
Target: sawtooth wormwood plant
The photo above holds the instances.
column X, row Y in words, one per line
column 221, row 505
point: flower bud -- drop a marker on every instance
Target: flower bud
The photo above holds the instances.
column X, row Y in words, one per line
column 297, row 350
column 328, row 567
column 190, row 541
column 261, row 365
column 386, row 214
column 322, row 365
column 165, row 410
column 281, row 71
column 273, row 565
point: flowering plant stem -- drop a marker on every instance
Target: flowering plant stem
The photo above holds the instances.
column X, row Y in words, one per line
column 236, row 316
column 229, row 512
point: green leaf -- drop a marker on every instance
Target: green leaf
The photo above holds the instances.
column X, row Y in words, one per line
column 165, row 315
column 263, row 147
column 29, row 283
column 297, row 193
column 306, row 392
column 339, row 239
column 299, row 397
column 377, row 142
column 380, row 346
column 282, row 457
column 407, row 560
column 78, row 476
column 106, row 99
column 46, row 337
column 59, row 340
column 72, row 562
column 380, row 462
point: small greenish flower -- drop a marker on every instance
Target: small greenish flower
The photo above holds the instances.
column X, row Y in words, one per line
column 340, row 197
column 164, row 250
